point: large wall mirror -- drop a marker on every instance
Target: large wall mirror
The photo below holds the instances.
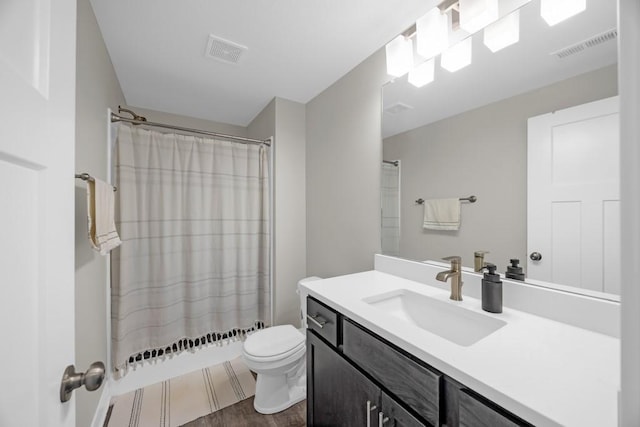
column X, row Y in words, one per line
column 468, row 133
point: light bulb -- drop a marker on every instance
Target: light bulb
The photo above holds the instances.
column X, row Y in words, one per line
column 503, row 32
column 457, row 56
column 399, row 56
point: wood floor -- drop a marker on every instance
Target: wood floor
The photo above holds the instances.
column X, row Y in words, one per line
column 242, row 414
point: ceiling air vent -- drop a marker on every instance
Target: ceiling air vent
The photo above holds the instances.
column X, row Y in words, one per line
column 585, row 44
column 397, row 108
column 224, row 50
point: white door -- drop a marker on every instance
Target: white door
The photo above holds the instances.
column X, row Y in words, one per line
column 574, row 196
column 37, row 127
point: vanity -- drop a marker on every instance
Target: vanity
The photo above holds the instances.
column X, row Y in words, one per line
column 383, row 350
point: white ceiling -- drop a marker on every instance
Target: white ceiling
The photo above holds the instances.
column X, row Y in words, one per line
column 296, row 49
column 516, row 69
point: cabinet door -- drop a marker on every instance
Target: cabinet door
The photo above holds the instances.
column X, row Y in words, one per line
column 337, row 393
column 477, row 412
column 394, row 415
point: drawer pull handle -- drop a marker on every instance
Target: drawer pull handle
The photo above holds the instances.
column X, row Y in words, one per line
column 382, row 420
column 317, row 320
column 370, row 408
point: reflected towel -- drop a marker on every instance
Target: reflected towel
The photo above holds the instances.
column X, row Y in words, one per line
column 101, row 211
column 442, row 214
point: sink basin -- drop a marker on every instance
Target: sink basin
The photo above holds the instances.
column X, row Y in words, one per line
column 443, row 318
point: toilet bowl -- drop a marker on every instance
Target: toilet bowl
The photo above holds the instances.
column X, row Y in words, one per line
column 277, row 355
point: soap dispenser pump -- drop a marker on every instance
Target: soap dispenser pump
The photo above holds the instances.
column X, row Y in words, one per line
column 514, row 271
column 491, row 290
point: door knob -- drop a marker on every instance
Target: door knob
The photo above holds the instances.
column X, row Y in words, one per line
column 535, row 256
column 71, row 380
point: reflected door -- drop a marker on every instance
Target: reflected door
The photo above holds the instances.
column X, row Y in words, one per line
column 574, row 196
column 37, row 83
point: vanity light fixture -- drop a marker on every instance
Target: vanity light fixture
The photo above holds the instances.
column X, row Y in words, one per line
column 422, row 74
column 554, row 11
column 457, row 56
column 504, row 32
column 399, row 56
column 432, row 33
column 477, row 14
column 457, row 18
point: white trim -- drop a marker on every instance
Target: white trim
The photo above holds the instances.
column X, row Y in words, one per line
column 272, row 229
column 110, row 147
column 103, row 406
column 629, row 88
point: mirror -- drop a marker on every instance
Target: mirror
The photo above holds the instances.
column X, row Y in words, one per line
column 466, row 134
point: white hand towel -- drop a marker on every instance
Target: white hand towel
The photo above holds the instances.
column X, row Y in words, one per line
column 101, row 214
column 442, row 214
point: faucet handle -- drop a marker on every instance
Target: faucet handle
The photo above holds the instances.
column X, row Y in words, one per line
column 480, row 253
column 454, row 259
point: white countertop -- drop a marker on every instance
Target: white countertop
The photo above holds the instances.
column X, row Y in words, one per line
column 547, row 372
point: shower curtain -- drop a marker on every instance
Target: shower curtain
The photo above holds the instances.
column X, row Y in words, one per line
column 193, row 268
column 390, row 216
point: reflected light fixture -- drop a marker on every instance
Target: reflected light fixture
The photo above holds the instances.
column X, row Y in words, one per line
column 477, row 14
column 503, row 32
column 422, row 74
column 432, row 33
column 399, row 56
column 457, row 56
column 554, row 11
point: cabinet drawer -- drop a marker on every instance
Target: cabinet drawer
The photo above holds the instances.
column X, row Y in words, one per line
column 412, row 383
column 476, row 413
column 323, row 320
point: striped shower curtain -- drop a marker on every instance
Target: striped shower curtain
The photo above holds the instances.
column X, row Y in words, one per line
column 193, row 267
column 390, row 201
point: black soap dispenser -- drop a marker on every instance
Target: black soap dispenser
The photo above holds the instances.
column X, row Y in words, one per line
column 514, row 271
column 491, row 290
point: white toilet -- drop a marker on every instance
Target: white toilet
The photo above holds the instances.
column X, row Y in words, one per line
column 277, row 355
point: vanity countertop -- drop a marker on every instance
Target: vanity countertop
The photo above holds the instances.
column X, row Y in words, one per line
column 547, row 372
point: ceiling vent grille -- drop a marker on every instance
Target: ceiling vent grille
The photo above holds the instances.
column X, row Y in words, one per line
column 224, row 50
column 585, row 44
column 397, row 108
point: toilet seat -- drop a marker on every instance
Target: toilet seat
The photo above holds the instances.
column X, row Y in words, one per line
column 274, row 343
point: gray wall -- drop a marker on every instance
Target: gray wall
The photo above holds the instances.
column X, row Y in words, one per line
column 185, row 121
column 481, row 152
column 97, row 88
column 344, row 153
column 285, row 121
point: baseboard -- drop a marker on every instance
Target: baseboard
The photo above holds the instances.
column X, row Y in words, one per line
column 103, row 405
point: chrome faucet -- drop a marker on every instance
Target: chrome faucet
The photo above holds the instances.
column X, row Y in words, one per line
column 478, row 260
column 455, row 275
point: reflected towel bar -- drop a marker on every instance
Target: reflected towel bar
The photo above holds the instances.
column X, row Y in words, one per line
column 86, row 177
column 470, row 199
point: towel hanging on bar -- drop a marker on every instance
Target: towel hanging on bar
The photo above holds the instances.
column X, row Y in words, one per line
column 441, row 214
column 101, row 216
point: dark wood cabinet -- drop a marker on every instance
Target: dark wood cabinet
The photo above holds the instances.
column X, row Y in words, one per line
column 417, row 386
column 396, row 415
column 337, row 393
column 356, row 378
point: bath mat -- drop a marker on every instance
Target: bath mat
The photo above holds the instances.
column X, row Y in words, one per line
column 182, row 399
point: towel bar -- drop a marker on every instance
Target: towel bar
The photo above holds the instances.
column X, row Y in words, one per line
column 470, row 199
column 86, row 177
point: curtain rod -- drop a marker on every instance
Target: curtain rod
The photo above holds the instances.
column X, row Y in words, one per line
column 137, row 121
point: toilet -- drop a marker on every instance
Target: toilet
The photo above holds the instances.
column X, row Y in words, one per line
column 277, row 355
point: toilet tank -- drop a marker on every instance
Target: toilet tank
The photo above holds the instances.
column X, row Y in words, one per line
column 303, row 299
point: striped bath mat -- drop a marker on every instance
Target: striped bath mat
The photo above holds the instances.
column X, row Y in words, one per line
column 182, row 399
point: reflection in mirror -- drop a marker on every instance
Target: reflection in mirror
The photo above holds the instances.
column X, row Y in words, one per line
column 390, row 211
column 467, row 133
